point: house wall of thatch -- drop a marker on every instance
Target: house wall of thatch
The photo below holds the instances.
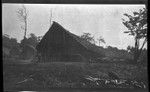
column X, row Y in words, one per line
column 60, row 45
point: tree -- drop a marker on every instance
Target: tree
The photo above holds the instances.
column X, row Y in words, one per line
column 101, row 39
column 6, row 40
column 88, row 37
column 32, row 40
column 137, row 27
column 23, row 16
column 9, row 42
column 130, row 49
column 10, row 45
column 28, row 46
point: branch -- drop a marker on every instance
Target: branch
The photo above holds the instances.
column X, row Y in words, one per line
column 25, row 11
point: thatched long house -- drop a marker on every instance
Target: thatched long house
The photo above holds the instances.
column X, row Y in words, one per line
column 58, row 44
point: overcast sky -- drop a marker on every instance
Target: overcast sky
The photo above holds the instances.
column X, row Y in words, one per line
column 99, row 20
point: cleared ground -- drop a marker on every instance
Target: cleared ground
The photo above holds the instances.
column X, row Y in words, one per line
column 44, row 76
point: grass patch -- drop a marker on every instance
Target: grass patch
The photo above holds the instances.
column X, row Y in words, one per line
column 65, row 75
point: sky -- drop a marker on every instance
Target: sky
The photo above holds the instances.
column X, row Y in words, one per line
column 97, row 19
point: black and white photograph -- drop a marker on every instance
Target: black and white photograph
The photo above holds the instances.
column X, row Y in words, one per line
column 74, row 46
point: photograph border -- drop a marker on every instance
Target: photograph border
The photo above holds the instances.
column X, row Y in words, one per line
column 79, row 2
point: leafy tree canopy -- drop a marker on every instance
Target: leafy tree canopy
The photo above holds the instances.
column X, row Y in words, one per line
column 88, row 37
column 137, row 27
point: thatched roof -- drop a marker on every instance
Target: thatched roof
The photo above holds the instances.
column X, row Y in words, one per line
column 83, row 42
column 86, row 44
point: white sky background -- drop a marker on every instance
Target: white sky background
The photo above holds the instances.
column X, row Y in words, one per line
column 98, row 19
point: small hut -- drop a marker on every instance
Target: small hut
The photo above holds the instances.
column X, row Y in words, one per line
column 58, row 44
